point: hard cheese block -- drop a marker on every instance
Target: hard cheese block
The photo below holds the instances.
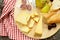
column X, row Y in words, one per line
column 38, row 30
column 36, row 19
column 34, row 13
column 31, row 23
column 25, row 29
column 22, row 17
column 55, row 18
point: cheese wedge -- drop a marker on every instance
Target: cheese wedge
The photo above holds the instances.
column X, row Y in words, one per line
column 36, row 14
column 25, row 29
column 36, row 19
column 38, row 30
column 22, row 17
column 31, row 23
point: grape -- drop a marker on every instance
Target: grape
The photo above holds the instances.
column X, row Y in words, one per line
column 51, row 0
column 50, row 26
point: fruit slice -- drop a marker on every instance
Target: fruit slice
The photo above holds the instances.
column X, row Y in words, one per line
column 40, row 3
column 45, row 9
column 31, row 23
column 38, row 30
column 25, row 29
column 36, row 19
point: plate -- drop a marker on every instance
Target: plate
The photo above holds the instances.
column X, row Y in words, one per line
column 46, row 33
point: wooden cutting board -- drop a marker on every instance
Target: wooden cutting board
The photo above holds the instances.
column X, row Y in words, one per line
column 46, row 33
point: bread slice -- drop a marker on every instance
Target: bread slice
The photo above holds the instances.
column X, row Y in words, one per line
column 55, row 18
column 48, row 15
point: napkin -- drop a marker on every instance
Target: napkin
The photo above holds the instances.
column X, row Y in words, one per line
column 7, row 24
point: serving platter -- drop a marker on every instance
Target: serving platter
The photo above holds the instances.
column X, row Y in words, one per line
column 45, row 34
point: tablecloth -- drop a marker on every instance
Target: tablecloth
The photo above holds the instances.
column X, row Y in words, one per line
column 7, row 24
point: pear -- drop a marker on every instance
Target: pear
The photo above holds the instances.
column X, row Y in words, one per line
column 46, row 8
column 40, row 3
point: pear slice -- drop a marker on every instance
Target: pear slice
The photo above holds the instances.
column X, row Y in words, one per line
column 55, row 18
column 46, row 8
column 40, row 3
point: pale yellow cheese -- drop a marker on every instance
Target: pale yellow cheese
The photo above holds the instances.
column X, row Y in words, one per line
column 31, row 23
column 36, row 19
column 25, row 29
column 28, row 18
column 38, row 30
column 22, row 17
column 55, row 5
column 34, row 13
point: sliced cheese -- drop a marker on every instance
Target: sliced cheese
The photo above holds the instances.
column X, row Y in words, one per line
column 28, row 18
column 38, row 30
column 36, row 19
column 55, row 5
column 31, row 23
column 22, row 17
column 25, row 29
column 34, row 13
column 55, row 18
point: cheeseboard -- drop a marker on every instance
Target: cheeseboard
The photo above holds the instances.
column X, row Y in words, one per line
column 33, row 23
